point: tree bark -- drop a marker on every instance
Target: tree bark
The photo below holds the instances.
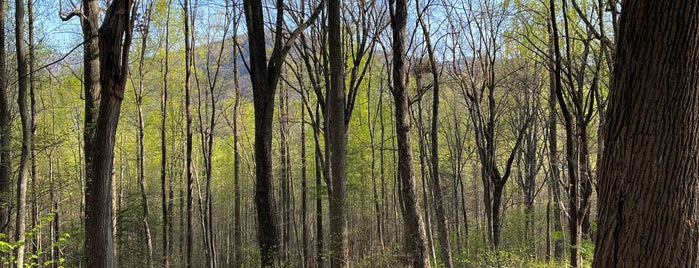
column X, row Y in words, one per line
column 91, row 83
column 415, row 238
column 339, row 243
column 25, row 117
column 114, row 43
column 648, row 178
column 189, row 165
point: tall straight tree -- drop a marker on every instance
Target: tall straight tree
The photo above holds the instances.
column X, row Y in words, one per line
column 138, row 92
column 339, row 243
column 5, row 132
column 25, row 117
column 264, row 75
column 415, row 238
column 163, row 145
column 114, row 43
column 648, row 181
column 188, row 136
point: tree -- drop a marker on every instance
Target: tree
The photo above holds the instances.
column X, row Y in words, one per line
column 188, row 134
column 114, row 43
column 5, row 132
column 25, row 117
column 163, row 146
column 138, row 92
column 339, row 243
column 435, row 186
column 415, row 244
column 648, row 178
column 264, row 76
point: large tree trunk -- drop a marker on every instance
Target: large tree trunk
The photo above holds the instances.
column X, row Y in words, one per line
column 339, row 243
column 415, row 238
column 23, row 174
column 114, row 43
column 91, row 81
column 648, row 180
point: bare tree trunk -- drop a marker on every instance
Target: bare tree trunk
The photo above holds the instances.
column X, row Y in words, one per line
column 5, row 133
column 114, row 43
column 141, row 138
column 141, row 141
column 339, row 243
column 648, row 179
column 25, row 116
column 237, row 229
column 264, row 76
column 284, row 175
column 554, row 180
column 415, row 244
column 163, row 146
column 91, row 83
column 36, row 241
column 435, row 186
column 305, row 256
column 188, row 136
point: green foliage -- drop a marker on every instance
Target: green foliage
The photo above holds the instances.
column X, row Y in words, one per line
column 32, row 259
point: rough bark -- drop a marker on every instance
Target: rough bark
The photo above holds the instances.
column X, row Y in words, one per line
column 415, row 238
column 339, row 243
column 114, row 44
column 91, row 81
column 648, row 178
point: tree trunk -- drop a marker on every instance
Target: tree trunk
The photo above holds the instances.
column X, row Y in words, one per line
column 339, row 243
column 284, row 175
column 163, row 146
column 435, row 186
column 5, row 133
column 25, row 116
column 305, row 256
column 415, row 244
column 141, row 139
column 91, row 83
column 554, row 180
column 114, row 43
column 264, row 76
column 36, row 243
column 189, row 165
column 237, row 228
column 648, row 178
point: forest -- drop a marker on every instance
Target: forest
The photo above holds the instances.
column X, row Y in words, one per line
column 368, row 133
